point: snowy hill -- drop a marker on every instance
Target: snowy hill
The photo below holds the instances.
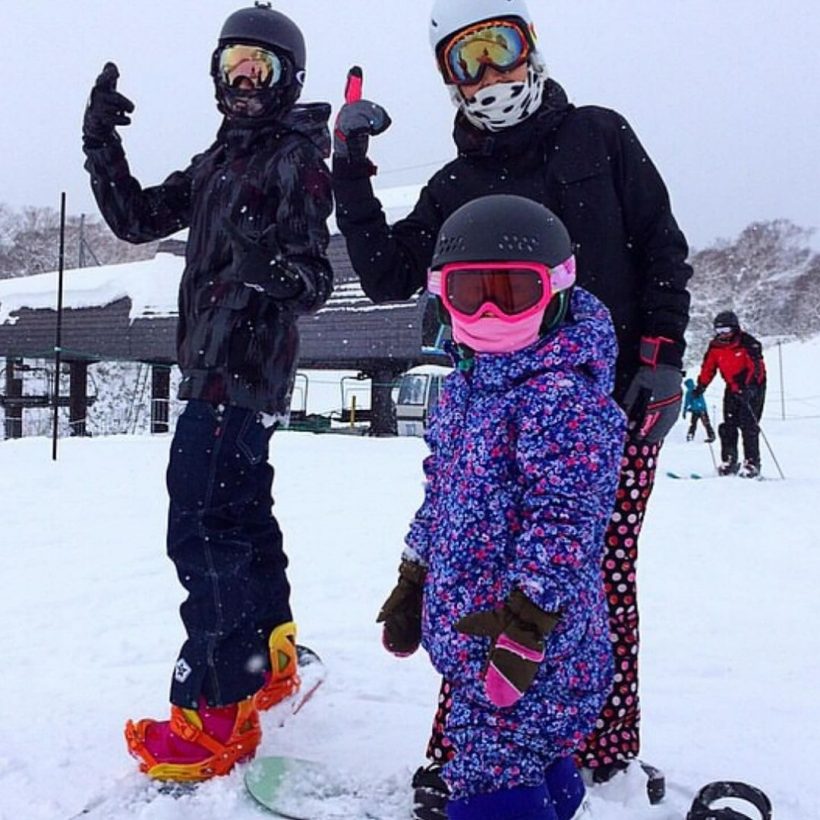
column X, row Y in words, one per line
column 729, row 579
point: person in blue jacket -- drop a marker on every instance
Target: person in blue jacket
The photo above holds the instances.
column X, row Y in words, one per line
column 501, row 575
column 695, row 404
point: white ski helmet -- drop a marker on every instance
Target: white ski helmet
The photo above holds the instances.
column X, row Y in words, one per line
column 450, row 16
column 505, row 104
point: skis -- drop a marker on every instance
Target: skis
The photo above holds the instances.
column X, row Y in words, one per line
column 688, row 476
column 700, row 476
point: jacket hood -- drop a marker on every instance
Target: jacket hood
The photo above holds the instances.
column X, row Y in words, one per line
column 311, row 120
column 585, row 341
column 473, row 141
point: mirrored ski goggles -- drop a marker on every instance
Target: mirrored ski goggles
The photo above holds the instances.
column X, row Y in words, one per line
column 501, row 44
column 724, row 331
column 511, row 291
column 262, row 67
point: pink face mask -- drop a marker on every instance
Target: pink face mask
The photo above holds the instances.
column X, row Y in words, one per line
column 491, row 334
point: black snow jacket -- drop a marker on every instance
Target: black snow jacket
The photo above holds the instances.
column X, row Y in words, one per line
column 587, row 166
column 235, row 344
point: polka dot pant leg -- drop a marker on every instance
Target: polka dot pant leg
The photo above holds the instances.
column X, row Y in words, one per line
column 616, row 737
column 439, row 748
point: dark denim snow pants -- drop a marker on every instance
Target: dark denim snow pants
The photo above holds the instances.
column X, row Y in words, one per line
column 227, row 549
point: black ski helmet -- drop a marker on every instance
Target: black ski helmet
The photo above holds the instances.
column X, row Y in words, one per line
column 507, row 228
column 261, row 25
column 502, row 228
column 726, row 318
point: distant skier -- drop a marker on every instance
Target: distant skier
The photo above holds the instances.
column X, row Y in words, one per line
column 739, row 358
column 256, row 204
column 695, row 405
column 501, row 575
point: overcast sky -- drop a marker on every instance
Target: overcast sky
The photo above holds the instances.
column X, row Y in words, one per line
column 723, row 93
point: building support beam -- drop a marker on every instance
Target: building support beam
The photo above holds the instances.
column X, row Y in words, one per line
column 78, row 398
column 160, row 397
column 14, row 390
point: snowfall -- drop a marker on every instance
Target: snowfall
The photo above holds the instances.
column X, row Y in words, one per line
column 729, row 577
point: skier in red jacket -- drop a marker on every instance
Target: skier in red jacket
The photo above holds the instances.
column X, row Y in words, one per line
column 739, row 358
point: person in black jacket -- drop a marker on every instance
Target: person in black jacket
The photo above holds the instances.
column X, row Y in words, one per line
column 516, row 133
column 256, row 204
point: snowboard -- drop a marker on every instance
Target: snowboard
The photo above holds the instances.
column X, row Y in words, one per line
column 300, row 789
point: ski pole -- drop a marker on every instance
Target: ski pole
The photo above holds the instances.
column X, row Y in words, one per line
column 763, row 436
column 712, row 453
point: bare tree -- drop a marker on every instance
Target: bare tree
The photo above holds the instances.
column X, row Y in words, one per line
column 29, row 242
column 768, row 276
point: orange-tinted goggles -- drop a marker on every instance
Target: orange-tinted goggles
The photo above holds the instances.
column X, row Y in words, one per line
column 262, row 67
column 501, row 44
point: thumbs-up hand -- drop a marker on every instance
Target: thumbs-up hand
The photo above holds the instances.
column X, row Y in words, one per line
column 106, row 108
column 357, row 121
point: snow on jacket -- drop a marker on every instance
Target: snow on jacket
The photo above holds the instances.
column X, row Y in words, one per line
column 588, row 167
column 235, row 345
column 739, row 360
column 521, row 479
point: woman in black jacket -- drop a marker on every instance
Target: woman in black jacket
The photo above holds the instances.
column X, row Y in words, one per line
column 256, row 204
column 516, row 133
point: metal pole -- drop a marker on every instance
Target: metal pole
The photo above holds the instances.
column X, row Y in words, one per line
column 59, row 337
column 782, row 387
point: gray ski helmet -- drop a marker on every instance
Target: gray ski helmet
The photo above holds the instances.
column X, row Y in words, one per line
column 726, row 318
column 502, row 228
column 262, row 25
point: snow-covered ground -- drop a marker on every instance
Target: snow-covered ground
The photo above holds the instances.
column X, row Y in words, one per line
column 729, row 581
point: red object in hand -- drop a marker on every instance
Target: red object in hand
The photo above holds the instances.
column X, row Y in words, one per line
column 353, row 88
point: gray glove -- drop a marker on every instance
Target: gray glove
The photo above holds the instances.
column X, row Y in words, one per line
column 653, row 401
column 356, row 122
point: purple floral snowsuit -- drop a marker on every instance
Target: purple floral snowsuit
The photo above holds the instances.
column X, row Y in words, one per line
column 525, row 454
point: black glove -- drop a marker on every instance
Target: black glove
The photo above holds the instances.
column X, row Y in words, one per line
column 106, row 108
column 698, row 390
column 401, row 612
column 356, row 122
column 260, row 265
column 517, row 632
column 653, row 401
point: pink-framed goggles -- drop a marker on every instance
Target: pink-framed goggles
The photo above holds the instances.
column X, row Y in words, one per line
column 510, row 291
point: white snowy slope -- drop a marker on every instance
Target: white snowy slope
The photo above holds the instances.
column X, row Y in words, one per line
column 729, row 579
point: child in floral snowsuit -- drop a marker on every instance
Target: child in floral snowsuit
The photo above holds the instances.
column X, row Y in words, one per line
column 501, row 575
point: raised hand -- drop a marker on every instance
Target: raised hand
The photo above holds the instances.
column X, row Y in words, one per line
column 106, row 108
column 357, row 120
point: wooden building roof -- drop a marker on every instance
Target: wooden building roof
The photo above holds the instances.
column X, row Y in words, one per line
column 128, row 312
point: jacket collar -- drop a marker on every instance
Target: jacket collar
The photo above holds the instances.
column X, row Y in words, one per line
column 242, row 136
